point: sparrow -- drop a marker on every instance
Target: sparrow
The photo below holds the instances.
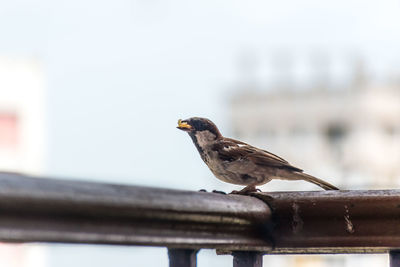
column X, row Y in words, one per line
column 236, row 162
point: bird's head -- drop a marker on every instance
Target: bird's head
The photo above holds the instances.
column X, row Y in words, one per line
column 194, row 126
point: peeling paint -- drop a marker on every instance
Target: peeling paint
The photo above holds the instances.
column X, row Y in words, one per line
column 297, row 223
column 348, row 224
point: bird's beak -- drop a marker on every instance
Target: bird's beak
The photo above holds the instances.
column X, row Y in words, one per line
column 184, row 126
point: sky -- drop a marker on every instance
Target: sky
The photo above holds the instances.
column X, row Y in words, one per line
column 121, row 73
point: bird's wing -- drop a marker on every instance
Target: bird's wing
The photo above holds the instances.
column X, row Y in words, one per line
column 231, row 150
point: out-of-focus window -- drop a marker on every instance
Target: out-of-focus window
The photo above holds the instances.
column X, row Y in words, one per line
column 9, row 137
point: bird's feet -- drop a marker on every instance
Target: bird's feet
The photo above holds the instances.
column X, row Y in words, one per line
column 214, row 191
column 219, row 192
column 246, row 191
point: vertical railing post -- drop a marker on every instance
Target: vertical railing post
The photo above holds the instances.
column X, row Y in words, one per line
column 182, row 257
column 247, row 259
column 394, row 258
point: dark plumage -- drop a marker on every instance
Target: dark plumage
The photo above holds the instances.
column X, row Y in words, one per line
column 239, row 163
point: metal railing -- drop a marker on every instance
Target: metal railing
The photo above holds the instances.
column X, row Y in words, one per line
column 53, row 210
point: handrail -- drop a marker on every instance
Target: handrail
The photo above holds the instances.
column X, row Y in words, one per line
column 335, row 221
column 53, row 210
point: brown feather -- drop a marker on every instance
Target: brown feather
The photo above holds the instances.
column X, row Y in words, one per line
column 314, row 180
column 231, row 150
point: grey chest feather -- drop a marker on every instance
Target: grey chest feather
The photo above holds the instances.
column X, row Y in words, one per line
column 205, row 138
column 203, row 141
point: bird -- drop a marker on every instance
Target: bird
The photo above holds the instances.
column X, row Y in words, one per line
column 239, row 163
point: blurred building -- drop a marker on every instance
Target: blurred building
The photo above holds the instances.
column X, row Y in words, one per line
column 21, row 115
column 350, row 134
column 21, row 137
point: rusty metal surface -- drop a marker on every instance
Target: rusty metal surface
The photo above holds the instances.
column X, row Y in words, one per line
column 335, row 221
column 51, row 210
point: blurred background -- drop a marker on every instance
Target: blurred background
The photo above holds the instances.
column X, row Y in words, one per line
column 92, row 90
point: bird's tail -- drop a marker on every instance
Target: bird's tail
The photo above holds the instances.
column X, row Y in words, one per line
column 315, row 180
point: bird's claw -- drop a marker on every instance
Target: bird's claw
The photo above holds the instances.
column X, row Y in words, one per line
column 246, row 191
column 214, row 191
column 219, row 192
